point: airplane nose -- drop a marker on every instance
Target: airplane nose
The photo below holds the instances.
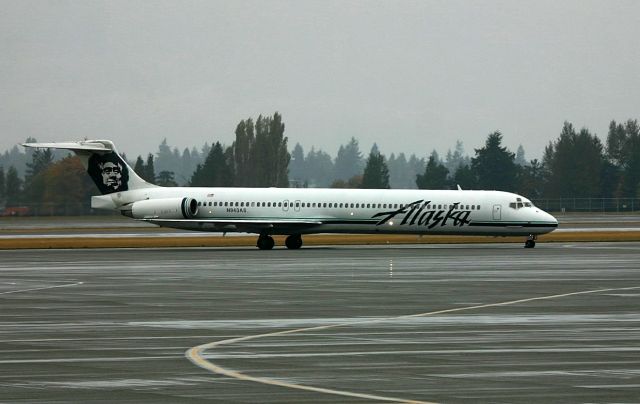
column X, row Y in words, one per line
column 553, row 222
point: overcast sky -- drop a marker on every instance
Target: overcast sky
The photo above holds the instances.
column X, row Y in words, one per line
column 412, row 76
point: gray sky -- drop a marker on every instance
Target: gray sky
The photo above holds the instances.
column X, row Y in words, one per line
column 409, row 75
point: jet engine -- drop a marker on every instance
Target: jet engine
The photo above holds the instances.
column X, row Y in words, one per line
column 165, row 208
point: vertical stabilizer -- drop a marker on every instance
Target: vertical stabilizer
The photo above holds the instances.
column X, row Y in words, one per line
column 105, row 166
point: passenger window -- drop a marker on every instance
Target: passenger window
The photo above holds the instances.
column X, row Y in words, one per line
column 478, row 207
column 368, row 205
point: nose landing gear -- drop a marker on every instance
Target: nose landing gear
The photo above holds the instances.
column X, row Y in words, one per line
column 531, row 241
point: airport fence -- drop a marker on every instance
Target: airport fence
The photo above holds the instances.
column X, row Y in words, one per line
column 53, row 209
column 610, row 205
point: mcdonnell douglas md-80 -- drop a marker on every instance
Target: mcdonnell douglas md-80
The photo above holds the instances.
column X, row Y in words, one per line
column 297, row 211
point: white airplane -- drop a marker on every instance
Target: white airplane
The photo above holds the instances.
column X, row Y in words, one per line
column 297, row 211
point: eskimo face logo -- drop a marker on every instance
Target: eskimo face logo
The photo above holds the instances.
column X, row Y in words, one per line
column 108, row 172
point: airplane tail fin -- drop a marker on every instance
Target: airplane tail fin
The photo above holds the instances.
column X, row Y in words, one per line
column 109, row 171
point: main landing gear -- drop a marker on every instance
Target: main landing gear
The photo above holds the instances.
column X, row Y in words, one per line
column 265, row 242
column 531, row 241
column 293, row 242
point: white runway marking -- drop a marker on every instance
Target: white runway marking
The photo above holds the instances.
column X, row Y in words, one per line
column 195, row 354
column 43, row 288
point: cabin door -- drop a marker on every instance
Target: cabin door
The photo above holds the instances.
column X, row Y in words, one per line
column 497, row 212
column 296, row 207
column 285, row 205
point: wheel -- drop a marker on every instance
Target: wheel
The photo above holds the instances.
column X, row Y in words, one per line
column 293, row 242
column 529, row 244
column 265, row 243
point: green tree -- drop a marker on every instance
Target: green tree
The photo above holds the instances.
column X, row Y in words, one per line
column 376, row 172
column 465, row 177
column 166, row 179
column 149, row 170
column 260, row 153
column 2, row 184
column 494, row 165
column 531, row 179
column 348, row 161
column 243, row 154
column 352, row 183
column 435, row 175
column 319, row 168
column 13, row 187
column 623, row 150
column 34, row 184
column 68, row 188
column 298, row 166
column 216, row 171
column 139, row 167
column 574, row 164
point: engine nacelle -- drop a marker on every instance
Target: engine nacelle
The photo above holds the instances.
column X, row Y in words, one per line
column 166, row 208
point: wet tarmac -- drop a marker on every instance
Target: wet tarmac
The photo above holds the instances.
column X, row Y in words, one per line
column 448, row 323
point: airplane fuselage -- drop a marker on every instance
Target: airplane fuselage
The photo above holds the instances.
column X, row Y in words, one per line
column 340, row 210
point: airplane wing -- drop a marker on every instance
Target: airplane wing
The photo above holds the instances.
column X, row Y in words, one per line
column 247, row 225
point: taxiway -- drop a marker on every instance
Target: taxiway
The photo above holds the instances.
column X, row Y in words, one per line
column 448, row 323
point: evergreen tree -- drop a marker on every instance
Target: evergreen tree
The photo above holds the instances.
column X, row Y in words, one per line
column 319, row 168
column 623, row 150
column 435, row 175
column 166, row 179
column 139, row 167
column 216, row 171
column 398, row 170
column 348, row 161
column 574, row 164
column 376, row 172
column 494, row 165
column 531, row 179
column 2, row 184
column 465, row 177
column 456, row 159
column 297, row 168
column 520, row 159
column 13, row 187
column 616, row 140
column 149, row 170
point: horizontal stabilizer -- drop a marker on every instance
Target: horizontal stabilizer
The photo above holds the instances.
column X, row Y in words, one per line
column 88, row 146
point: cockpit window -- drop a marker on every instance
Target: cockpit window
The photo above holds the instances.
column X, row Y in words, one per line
column 519, row 203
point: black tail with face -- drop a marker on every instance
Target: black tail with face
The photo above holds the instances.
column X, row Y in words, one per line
column 104, row 165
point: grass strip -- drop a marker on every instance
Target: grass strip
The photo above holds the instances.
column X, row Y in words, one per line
column 309, row 240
